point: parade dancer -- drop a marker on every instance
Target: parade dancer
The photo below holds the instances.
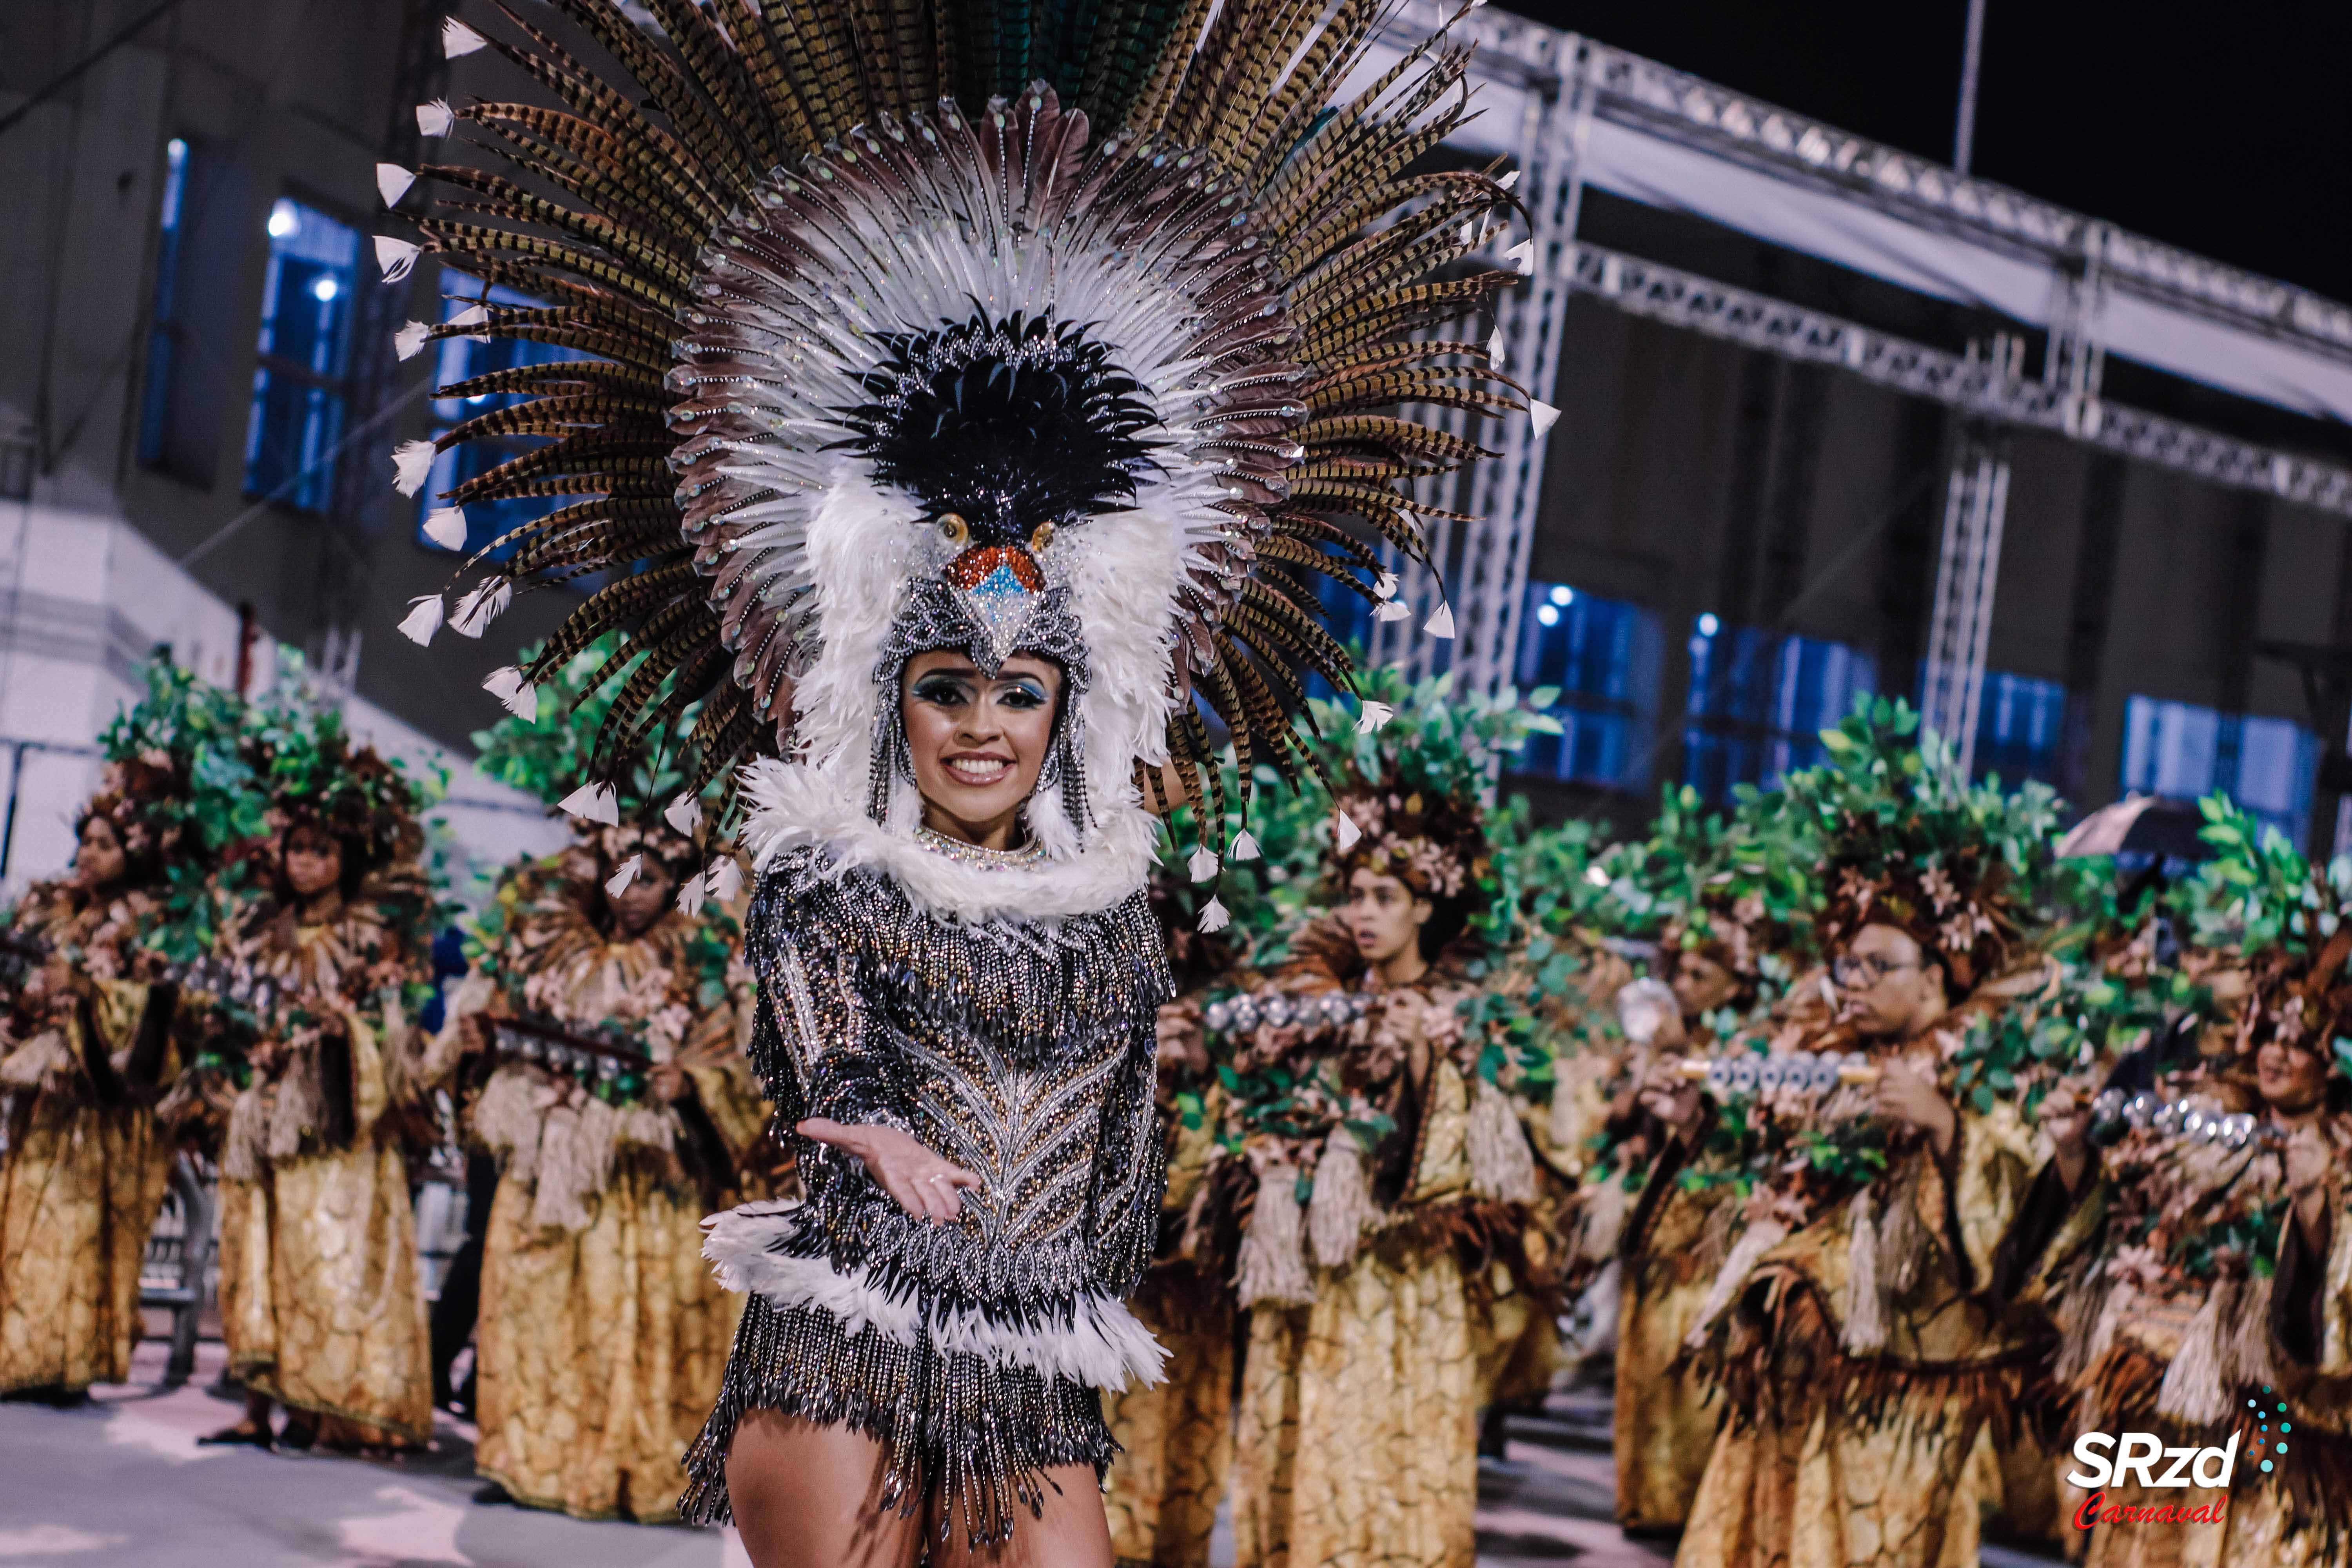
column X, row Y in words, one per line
column 2191, row 1239
column 611, row 1088
column 1362, row 1381
column 1863, row 1362
column 1010, row 367
column 320, row 1304
column 86, row 1042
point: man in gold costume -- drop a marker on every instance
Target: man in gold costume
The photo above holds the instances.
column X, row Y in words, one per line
column 612, row 1091
column 320, row 1303
column 1358, row 1441
column 85, row 1040
column 1864, row 1363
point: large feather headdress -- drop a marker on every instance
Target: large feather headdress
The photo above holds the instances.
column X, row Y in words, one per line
column 1075, row 326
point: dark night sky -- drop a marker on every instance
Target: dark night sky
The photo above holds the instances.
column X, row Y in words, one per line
column 2224, row 126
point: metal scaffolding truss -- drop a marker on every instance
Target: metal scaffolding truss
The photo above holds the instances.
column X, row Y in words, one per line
column 1682, row 106
column 1975, row 385
column 1561, row 85
column 1976, row 504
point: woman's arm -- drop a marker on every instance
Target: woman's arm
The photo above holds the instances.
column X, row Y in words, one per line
column 838, row 1087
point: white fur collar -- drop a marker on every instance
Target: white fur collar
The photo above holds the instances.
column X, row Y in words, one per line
column 800, row 803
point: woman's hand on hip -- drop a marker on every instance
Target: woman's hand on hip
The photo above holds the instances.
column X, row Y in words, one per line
column 925, row 1185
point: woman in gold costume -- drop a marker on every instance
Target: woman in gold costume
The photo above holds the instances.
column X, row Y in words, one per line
column 2200, row 1263
column 1358, row 1441
column 1863, row 1362
column 320, row 1304
column 621, row 1109
column 84, row 1044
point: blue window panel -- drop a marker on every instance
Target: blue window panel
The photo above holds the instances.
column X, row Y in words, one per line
column 164, row 339
column 1758, row 701
column 2183, row 749
column 2021, row 724
column 298, row 407
column 1603, row 655
column 462, row 359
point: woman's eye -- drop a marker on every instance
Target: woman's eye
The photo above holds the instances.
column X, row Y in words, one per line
column 1024, row 697
column 941, row 693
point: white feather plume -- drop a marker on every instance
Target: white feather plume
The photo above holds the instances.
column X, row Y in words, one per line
column 396, row 257
column 1495, row 349
column 478, row 609
column 412, row 465
column 506, row 683
column 1202, row 864
column 593, row 802
column 723, row 878
column 1440, row 625
column 435, row 119
column 1372, row 716
column 1215, row 917
column 1522, row 258
column 392, row 183
column 618, row 882
column 1391, row 610
column 1245, row 846
column 685, row 813
column 423, row 618
column 446, row 526
column 1541, row 416
column 1344, row 831
column 410, row 340
column 691, row 895
column 457, row 39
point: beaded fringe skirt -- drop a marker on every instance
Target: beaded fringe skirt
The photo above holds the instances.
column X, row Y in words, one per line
column 967, row 1438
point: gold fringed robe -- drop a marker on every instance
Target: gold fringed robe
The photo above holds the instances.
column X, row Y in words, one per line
column 1666, row 1414
column 80, row 1184
column 1853, row 1458
column 603, row 1334
column 1358, row 1442
column 321, row 1304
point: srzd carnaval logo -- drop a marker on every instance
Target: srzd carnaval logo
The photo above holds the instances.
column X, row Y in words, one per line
column 2142, row 1458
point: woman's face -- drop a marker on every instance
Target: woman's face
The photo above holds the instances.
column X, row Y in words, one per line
column 978, row 742
column 314, row 862
column 2292, row 1078
column 100, row 862
column 1700, row 983
column 1383, row 914
column 641, row 902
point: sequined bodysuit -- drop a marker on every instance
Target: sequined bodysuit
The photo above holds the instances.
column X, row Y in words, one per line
column 1022, row 1051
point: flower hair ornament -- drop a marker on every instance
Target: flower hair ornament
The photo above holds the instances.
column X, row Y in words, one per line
column 1083, row 329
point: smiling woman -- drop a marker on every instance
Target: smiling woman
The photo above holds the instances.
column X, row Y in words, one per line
column 978, row 742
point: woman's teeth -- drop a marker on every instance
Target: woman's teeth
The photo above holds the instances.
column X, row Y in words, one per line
column 979, row 770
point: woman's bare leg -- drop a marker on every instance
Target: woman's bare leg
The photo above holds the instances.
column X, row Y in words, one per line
column 1074, row 1534
column 807, row 1496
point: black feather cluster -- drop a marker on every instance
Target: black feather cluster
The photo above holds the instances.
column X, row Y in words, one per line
column 1006, row 424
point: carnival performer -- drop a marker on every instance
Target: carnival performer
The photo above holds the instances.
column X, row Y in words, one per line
column 2197, row 1260
column 613, row 1092
column 1863, row 1364
column 86, row 1043
column 1011, row 382
column 322, row 1307
column 1360, row 1384
column 1731, row 950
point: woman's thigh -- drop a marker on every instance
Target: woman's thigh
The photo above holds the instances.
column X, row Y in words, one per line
column 807, row 1496
column 1073, row 1534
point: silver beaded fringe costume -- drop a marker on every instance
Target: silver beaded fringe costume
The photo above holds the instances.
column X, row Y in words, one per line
column 1098, row 330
